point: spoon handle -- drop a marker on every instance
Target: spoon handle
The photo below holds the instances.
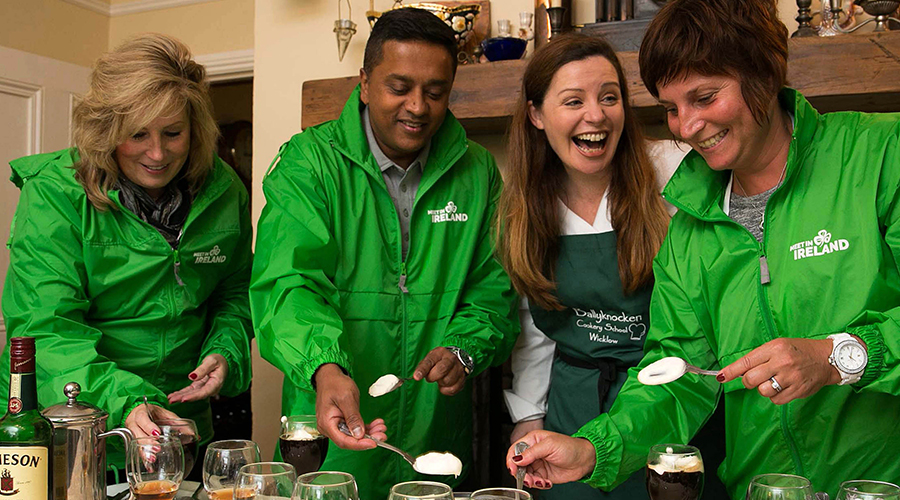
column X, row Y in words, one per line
column 406, row 456
column 520, row 472
column 693, row 369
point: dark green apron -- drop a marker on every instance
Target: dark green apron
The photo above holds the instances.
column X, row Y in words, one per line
column 598, row 337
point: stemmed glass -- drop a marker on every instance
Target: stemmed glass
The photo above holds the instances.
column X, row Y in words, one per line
column 779, row 487
column 185, row 430
column 265, row 479
column 421, row 490
column 500, row 494
column 222, row 463
column 868, row 490
column 325, row 486
column 301, row 444
column 674, row 472
column 154, row 467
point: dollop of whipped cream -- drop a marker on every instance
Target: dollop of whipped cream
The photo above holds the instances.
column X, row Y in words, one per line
column 383, row 385
column 301, row 434
column 663, row 371
column 677, row 463
column 438, row 464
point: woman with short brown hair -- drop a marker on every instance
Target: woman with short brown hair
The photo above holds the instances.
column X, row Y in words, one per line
column 779, row 270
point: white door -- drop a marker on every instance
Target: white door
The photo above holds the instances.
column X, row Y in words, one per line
column 36, row 98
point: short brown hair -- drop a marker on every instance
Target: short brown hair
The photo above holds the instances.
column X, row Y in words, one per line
column 743, row 39
column 528, row 217
column 131, row 86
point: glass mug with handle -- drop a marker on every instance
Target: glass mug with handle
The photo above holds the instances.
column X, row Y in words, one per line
column 301, row 444
column 325, row 486
column 270, row 480
column 185, row 430
column 154, row 467
column 674, row 472
column 500, row 494
column 868, row 490
column 221, row 464
column 780, row 487
column 421, row 490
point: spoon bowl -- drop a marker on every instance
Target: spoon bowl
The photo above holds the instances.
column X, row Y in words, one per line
column 431, row 463
column 387, row 383
column 668, row 370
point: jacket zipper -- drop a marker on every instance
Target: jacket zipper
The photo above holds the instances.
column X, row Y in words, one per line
column 177, row 256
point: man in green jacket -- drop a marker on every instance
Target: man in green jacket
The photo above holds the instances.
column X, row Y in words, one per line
column 374, row 256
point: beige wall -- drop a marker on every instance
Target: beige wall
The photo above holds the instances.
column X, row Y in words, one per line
column 207, row 28
column 53, row 28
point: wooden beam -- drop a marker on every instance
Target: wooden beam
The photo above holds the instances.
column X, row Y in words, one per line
column 848, row 72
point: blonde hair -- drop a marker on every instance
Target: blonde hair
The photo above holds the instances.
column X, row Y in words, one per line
column 528, row 221
column 141, row 80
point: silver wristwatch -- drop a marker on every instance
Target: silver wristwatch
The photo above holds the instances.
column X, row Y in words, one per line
column 463, row 357
column 849, row 357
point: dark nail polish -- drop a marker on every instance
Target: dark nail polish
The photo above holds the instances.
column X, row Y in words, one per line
column 517, row 458
column 193, row 376
column 720, row 377
column 539, row 483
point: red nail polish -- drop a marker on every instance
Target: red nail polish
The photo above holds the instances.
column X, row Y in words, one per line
column 517, row 458
column 192, row 376
column 539, row 483
column 155, row 432
column 720, row 377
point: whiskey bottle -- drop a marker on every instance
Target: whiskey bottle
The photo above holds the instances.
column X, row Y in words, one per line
column 25, row 434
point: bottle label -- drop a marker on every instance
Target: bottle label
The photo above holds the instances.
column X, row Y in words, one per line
column 23, row 472
column 22, row 393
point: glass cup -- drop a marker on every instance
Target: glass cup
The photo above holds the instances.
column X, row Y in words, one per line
column 154, row 467
column 185, row 430
column 271, row 480
column 301, row 444
column 674, row 472
column 500, row 494
column 325, row 486
column 421, row 490
column 868, row 490
column 779, row 487
column 221, row 464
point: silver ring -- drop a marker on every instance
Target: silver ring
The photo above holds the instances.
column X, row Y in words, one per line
column 775, row 384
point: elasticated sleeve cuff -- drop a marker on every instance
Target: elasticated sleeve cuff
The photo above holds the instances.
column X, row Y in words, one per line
column 601, row 476
column 871, row 335
column 308, row 369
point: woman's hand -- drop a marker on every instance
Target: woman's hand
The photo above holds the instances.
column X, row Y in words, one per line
column 140, row 420
column 552, row 459
column 207, row 380
column 524, row 427
column 799, row 366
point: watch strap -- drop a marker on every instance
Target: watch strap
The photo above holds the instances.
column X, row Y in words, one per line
column 463, row 357
column 838, row 339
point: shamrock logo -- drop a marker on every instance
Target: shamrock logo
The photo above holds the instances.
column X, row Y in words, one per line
column 215, row 251
column 637, row 330
column 823, row 238
column 451, row 208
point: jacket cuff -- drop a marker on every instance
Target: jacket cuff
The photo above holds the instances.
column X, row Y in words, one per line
column 871, row 335
column 238, row 379
column 308, row 369
column 520, row 409
column 599, row 477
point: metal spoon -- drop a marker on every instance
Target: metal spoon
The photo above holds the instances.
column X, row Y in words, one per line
column 406, row 456
column 668, row 370
column 373, row 390
column 520, row 472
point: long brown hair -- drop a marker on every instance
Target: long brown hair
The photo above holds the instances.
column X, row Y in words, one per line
column 131, row 86
column 528, row 222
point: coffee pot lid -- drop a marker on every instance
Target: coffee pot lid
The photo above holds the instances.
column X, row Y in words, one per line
column 73, row 411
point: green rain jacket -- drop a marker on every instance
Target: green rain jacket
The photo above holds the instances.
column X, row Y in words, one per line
column 112, row 306
column 329, row 284
column 827, row 264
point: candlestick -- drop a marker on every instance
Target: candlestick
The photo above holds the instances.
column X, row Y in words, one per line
column 555, row 3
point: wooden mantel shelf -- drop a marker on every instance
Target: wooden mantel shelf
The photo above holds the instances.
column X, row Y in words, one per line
column 850, row 72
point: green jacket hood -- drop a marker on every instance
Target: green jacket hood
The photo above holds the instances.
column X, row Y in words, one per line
column 29, row 166
column 700, row 191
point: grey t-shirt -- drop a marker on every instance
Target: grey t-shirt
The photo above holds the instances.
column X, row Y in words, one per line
column 749, row 211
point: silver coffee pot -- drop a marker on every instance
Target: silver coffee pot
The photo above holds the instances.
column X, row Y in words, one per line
column 79, row 451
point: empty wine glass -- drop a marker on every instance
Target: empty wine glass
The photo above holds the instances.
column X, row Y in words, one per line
column 301, row 445
column 185, row 430
column 271, row 480
column 779, row 487
column 325, row 486
column 221, row 464
column 154, row 467
column 421, row 490
column 500, row 494
column 868, row 490
column 674, row 472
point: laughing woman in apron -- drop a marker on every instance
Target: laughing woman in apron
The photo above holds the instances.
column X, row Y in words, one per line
column 580, row 220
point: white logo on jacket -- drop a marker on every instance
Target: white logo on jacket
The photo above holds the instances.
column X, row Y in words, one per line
column 601, row 324
column 821, row 244
column 211, row 257
column 450, row 213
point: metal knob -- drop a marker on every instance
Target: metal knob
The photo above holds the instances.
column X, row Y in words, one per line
column 71, row 391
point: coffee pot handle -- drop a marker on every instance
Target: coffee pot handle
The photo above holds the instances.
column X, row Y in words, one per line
column 122, row 432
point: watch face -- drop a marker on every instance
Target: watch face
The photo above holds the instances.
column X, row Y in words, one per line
column 850, row 357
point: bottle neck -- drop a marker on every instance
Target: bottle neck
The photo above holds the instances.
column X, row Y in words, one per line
column 22, row 393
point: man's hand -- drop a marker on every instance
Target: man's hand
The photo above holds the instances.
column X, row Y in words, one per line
column 800, row 366
column 443, row 367
column 552, row 459
column 524, row 427
column 337, row 400
column 207, row 380
column 140, row 420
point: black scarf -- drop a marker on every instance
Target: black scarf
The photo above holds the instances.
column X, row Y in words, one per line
column 167, row 214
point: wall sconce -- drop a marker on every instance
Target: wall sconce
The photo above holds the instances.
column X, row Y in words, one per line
column 344, row 29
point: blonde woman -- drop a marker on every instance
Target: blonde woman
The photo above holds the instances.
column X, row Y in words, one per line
column 130, row 253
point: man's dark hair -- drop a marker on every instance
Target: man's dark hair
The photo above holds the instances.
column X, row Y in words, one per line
column 407, row 25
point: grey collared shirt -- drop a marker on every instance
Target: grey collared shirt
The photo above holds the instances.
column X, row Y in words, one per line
column 401, row 183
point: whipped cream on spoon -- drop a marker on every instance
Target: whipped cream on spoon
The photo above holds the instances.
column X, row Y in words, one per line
column 668, row 370
column 385, row 384
column 432, row 463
